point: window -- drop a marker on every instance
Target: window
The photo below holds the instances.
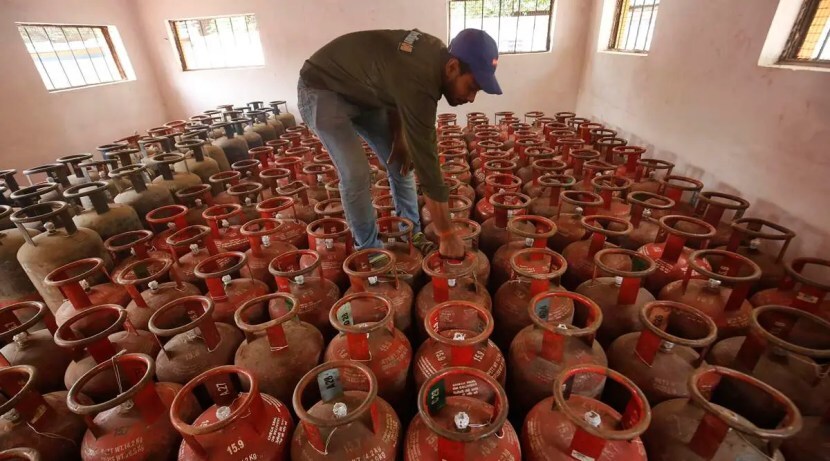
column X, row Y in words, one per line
column 808, row 42
column 218, row 42
column 634, row 25
column 72, row 56
column 518, row 26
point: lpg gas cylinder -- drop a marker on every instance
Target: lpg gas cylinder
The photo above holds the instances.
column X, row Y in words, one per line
column 96, row 335
column 221, row 182
column 209, row 148
column 646, row 229
column 189, row 246
column 748, row 237
column 592, row 169
column 494, row 231
column 544, row 166
column 332, row 239
column 227, row 292
column 195, row 160
column 74, row 279
column 104, row 218
column 629, row 155
column 264, row 155
column 282, row 208
column 272, row 178
column 540, row 351
column 546, row 200
column 803, row 447
column 569, row 226
column 648, row 174
column 613, row 190
column 786, row 348
column 265, row 239
column 16, row 286
column 469, row 231
column 720, row 422
column 26, row 344
column 396, row 233
column 225, row 222
column 136, row 422
column 539, row 160
column 285, row 117
column 164, row 221
column 55, row 173
column 249, row 170
column 606, row 147
column 240, row 123
column 186, row 351
column 367, row 333
column 318, row 175
column 37, row 193
column 382, row 279
column 303, row 205
column 534, row 271
column 580, row 255
column 43, row 253
column 100, row 170
column 129, row 247
column 232, row 144
column 495, row 183
column 459, row 333
column 670, row 252
column 450, row 280
column 620, row 295
column 279, row 348
column 237, row 426
column 30, row 418
column 75, row 174
column 346, row 420
column 260, row 125
column 683, row 190
column 726, row 305
column 151, row 272
column 576, row 157
column 570, row 426
column 298, row 273
column 525, row 231
column 458, row 206
column 465, row 409
column 169, row 176
column 804, row 288
column 670, row 347
column 329, row 208
column 719, row 210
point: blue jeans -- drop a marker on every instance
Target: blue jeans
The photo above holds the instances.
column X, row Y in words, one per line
column 338, row 124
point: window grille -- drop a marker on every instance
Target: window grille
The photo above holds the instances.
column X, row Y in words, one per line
column 218, row 42
column 518, row 26
column 809, row 41
column 634, row 25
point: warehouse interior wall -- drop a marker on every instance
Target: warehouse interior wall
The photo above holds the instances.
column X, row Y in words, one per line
column 700, row 99
column 40, row 126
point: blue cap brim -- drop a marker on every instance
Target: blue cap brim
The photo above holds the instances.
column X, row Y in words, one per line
column 486, row 80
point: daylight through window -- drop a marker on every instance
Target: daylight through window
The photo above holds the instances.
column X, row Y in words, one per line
column 809, row 41
column 72, row 56
column 518, row 26
column 634, row 25
column 218, row 42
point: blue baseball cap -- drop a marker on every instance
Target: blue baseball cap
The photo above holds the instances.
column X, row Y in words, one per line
column 478, row 50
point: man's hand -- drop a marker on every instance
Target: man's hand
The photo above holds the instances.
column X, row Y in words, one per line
column 400, row 153
column 452, row 246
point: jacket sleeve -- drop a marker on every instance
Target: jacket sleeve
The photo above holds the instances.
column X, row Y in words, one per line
column 417, row 112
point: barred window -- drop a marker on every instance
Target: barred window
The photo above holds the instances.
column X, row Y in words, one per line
column 809, row 41
column 634, row 25
column 518, row 26
column 218, row 42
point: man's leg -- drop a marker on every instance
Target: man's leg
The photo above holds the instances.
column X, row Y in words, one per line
column 373, row 126
column 330, row 116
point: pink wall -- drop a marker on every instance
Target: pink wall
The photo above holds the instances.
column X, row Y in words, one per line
column 40, row 126
column 700, row 99
column 292, row 31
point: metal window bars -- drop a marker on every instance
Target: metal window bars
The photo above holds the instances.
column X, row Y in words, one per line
column 518, row 26
column 217, row 42
column 634, row 22
column 809, row 41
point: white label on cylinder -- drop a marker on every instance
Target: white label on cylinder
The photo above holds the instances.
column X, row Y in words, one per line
column 511, row 213
column 451, row 282
column 391, row 240
column 528, row 242
column 807, row 298
column 299, row 280
column 579, row 456
column 329, row 243
column 373, row 280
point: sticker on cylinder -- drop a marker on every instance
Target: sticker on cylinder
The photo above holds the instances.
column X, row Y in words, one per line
column 437, row 397
column 329, row 383
column 344, row 314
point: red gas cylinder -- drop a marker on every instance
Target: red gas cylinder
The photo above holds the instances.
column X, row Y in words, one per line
column 330, row 208
column 292, row 163
column 576, row 157
column 237, row 426
column 670, row 252
column 570, row 426
column 272, row 178
column 196, row 244
column 224, row 221
column 396, row 234
column 726, row 305
column 525, row 231
column 96, row 335
column 317, row 175
column 31, row 418
column 456, row 169
column 648, row 174
column 151, row 272
column 613, row 190
column 135, row 424
column 719, row 210
column 250, row 172
column 221, row 182
column 164, row 221
column 545, row 201
column 25, row 343
column 459, row 207
column 303, row 205
column 226, row 292
column 646, row 229
column 803, row 447
column 592, row 169
column 469, row 231
column 804, row 288
column 20, row 454
column 265, row 239
column 465, row 409
column 459, row 333
column 719, row 422
column 450, row 280
column 534, row 271
column 521, row 148
column 247, row 195
column 539, row 161
column 331, row 238
column 670, row 347
column 283, row 208
column 494, row 232
column 279, row 348
column 368, row 335
column 382, row 280
column 264, row 154
column 346, row 421
column 186, row 351
column 569, row 226
column 630, row 155
column 785, row 348
column 620, row 294
column 72, row 280
column 488, row 152
column 683, row 190
column 540, row 351
column 494, row 184
column 580, row 255
column 315, row 293
column 747, row 239
column 129, row 247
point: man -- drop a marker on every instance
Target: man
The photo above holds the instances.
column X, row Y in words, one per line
column 384, row 85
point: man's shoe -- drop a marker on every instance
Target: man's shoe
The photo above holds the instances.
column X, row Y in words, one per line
column 423, row 244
